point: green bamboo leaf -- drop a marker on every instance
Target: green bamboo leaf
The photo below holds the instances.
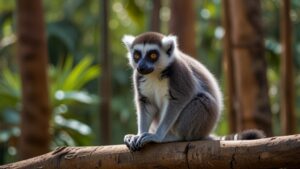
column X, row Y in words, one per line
column 11, row 79
column 76, row 74
column 72, row 124
column 75, row 96
column 10, row 83
column 63, row 72
column 90, row 74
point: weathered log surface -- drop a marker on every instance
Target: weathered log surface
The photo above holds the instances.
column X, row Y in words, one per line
column 275, row 152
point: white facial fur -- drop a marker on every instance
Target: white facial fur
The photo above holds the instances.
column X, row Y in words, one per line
column 169, row 40
column 163, row 61
column 128, row 40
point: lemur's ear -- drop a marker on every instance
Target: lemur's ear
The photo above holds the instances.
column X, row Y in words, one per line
column 128, row 40
column 169, row 43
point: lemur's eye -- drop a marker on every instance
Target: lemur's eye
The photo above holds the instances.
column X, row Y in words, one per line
column 153, row 56
column 136, row 56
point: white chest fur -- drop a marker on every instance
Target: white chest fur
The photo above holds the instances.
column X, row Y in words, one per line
column 155, row 89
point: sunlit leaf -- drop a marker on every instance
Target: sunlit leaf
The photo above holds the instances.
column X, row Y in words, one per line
column 4, row 136
column 90, row 74
column 63, row 138
column 72, row 80
column 11, row 81
column 79, row 96
column 72, row 124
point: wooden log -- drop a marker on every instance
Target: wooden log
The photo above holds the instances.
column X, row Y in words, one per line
column 275, row 152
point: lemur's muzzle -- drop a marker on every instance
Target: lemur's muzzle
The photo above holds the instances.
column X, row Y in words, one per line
column 144, row 68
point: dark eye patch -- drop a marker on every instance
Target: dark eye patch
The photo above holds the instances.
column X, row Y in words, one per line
column 137, row 55
column 152, row 55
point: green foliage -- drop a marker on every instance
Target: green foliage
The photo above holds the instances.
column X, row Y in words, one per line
column 63, row 37
column 66, row 92
column 9, row 89
column 68, row 98
column 135, row 11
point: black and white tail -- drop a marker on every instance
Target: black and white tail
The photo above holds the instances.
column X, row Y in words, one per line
column 251, row 134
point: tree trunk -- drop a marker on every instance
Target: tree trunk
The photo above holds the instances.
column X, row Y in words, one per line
column 287, row 102
column 32, row 57
column 228, row 68
column 250, row 66
column 105, row 81
column 182, row 24
column 155, row 12
column 276, row 152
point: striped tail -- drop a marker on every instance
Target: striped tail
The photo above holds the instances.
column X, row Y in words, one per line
column 251, row 134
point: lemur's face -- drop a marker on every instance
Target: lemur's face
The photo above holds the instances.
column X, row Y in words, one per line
column 150, row 52
column 145, row 57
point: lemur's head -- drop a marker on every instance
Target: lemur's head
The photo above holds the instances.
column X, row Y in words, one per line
column 150, row 52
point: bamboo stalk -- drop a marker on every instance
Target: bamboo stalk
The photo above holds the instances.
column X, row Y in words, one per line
column 228, row 66
column 105, row 81
column 33, row 62
column 287, row 112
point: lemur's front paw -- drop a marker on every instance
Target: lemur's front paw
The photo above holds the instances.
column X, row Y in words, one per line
column 144, row 139
column 136, row 142
column 130, row 141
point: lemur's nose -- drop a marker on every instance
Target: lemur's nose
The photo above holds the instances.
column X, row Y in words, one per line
column 144, row 68
column 144, row 71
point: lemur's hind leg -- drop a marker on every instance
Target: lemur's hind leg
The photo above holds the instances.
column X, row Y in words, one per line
column 198, row 118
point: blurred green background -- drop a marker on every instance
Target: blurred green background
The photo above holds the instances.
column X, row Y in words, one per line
column 73, row 34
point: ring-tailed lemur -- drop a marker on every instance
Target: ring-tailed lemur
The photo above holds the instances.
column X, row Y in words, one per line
column 176, row 97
